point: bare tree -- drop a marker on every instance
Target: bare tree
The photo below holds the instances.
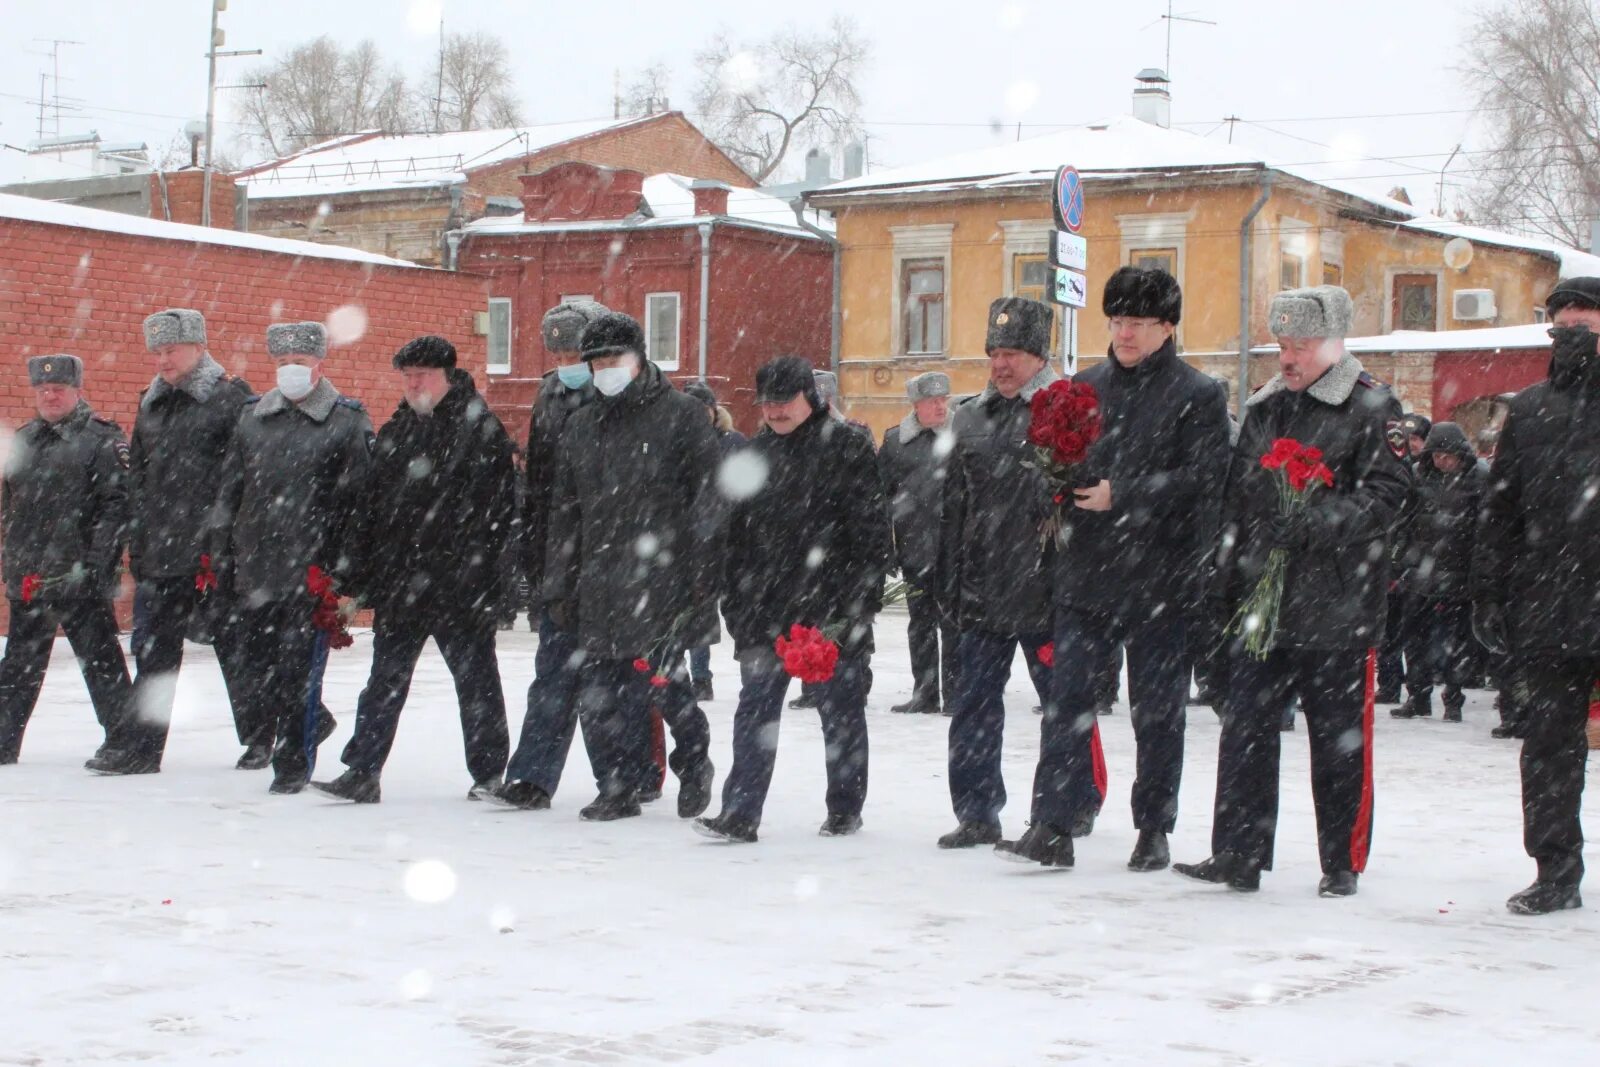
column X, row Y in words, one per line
column 795, row 88
column 474, row 84
column 1533, row 63
column 647, row 93
column 319, row 91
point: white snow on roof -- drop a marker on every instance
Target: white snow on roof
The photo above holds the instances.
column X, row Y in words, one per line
column 27, row 209
column 366, row 163
column 19, row 167
column 1533, row 335
column 670, row 198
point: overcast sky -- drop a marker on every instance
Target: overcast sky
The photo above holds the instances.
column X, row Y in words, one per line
column 945, row 75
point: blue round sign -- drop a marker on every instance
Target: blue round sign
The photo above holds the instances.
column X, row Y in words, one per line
column 1069, row 199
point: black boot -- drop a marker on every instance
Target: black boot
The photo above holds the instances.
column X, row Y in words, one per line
column 1083, row 825
column 703, row 690
column 1415, row 707
column 1150, row 854
column 256, row 757
column 649, row 794
column 523, row 796
column 908, row 708
column 840, row 826
column 1105, row 707
column 1224, row 869
column 111, row 762
column 1542, row 898
column 694, row 789
column 285, row 785
column 326, row 724
column 971, row 835
column 1454, row 701
column 1337, row 884
column 605, row 808
column 722, row 828
column 483, row 788
column 1041, row 843
column 804, row 700
column 1508, row 729
column 358, row 787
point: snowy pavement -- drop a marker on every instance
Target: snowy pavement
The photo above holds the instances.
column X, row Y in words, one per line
column 190, row 918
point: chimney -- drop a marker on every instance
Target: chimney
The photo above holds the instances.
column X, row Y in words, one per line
column 1152, row 100
column 710, row 197
column 855, row 160
column 819, row 167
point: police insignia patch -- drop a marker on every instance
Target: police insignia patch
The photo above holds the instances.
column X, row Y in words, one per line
column 122, row 454
column 999, row 320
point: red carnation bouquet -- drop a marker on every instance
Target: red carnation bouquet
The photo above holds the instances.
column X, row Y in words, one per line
column 811, row 653
column 1065, row 422
column 326, row 616
column 1297, row 470
column 205, row 579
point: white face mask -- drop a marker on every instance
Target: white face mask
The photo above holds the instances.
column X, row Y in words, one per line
column 613, row 380
column 294, row 381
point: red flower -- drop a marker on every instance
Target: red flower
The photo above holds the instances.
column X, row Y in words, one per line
column 31, row 584
column 1065, row 420
column 659, row 682
column 1283, row 450
column 807, row 654
column 205, row 579
column 325, row 615
column 318, row 583
column 641, row 665
column 1047, row 655
column 1302, row 472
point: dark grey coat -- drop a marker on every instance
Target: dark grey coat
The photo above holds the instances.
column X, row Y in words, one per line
column 64, row 506
column 915, row 465
column 1437, row 554
column 547, row 427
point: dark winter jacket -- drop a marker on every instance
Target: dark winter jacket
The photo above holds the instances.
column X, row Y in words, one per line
column 293, row 485
column 630, row 544
column 441, row 506
column 1164, row 447
column 1335, row 592
column 993, row 570
column 547, row 427
column 1538, row 547
column 812, row 546
column 64, row 506
column 915, row 464
column 1437, row 559
column 180, row 438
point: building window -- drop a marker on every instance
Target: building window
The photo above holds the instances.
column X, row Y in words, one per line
column 1030, row 277
column 499, row 336
column 663, row 326
column 1155, row 259
column 579, row 296
column 1332, row 274
column 1414, row 302
column 922, row 300
column 1291, row 271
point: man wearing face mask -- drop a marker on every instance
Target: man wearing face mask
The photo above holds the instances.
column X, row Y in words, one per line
column 294, row 484
column 631, row 558
column 186, row 420
column 63, row 522
column 440, row 511
column 535, row 768
column 1536, row 586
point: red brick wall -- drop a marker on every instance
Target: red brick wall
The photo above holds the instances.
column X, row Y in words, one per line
column 185, row 192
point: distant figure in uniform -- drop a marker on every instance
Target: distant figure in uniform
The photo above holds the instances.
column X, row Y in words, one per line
column 293, row 486
column 63, row 519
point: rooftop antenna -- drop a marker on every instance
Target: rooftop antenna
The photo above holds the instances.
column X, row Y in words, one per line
column 1169, row 18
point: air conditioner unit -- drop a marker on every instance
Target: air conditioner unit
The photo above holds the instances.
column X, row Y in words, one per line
column 1474, row 305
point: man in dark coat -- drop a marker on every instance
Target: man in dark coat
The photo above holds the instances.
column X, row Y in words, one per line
column 631, row 563
column 821, row 499
column 1333, row 596
column 294, row 484
column 186, row 420
column 1129, row 552
column 63, row 525
column 914, row 459
column 439, row 513
column 728, row 441
column 1437, row 557
column 1536, row 586
column 1406, row 437
column 992, row 568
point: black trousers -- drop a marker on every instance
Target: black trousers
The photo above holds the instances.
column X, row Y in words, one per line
column 469, row 652
column 91, row 629
column 1335, row 687
column 1391, row 654
column 933, row 639
column 168, row 607
column 1439, row 648
column 614, row 704
column 1554, row 752
column 1509, row 698
column 278, row 650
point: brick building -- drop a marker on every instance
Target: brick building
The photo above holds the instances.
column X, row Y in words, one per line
column 722, row 279
column 400, row 195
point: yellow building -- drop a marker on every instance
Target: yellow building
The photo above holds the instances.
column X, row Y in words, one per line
column 925, row 248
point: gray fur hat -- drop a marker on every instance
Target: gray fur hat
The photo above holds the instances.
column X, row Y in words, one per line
column 563, row 324
column 827, row 386
column 1020, row 323
column 297, row 339
column 174, row 326
column 927, row 386
column 55, row 370
column 1321, row 311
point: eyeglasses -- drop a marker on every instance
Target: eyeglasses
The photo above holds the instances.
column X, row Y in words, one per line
column 1119, row 322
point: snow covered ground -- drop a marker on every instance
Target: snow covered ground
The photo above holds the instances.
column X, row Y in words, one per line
column 190, row 918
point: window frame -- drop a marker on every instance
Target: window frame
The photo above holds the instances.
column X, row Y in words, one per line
column 1168, row 252
column 490, row 364
column 925, row 242
column 909, row 267
column 677, row 328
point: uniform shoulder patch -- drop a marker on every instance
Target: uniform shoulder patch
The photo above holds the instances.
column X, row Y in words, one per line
column 121, row 448
column 350, row 402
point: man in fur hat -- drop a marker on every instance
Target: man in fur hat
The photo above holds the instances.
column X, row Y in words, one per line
column 992, row 571
column 1333, row 605
column 1126, row 570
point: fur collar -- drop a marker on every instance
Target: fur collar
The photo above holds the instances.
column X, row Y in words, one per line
column 1046, row 375
column 200, row 384
column 1333, row 388
column 910, row 427
column 318, row 404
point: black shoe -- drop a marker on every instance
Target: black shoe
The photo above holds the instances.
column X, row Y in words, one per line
column 285, row 785
column 971, row 835
column 1414, row 708
column 910, row 707
column 610, row 808
column 1150, row 854
column 1542, row 898
column 111, row 762
column 722, row 828
column 694, row 789
column 1337, row 884
column 1083, row 825
column 803, row 701
column 482, row 790
column 1508, row 729
column 1451, row 715
column 523, row 796
column 1223, row 869
column 649, row 794
column 326, row 724
column 840, row 826
column 358, row 787
column 1105, row 707
column 1038, row 709
column 256, row 757
column 703, row 690
column 1041, row 843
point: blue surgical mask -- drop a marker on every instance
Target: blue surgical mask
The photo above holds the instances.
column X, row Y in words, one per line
column 574, row 376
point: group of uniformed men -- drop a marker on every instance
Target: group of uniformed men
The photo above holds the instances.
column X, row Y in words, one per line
column 639, row 520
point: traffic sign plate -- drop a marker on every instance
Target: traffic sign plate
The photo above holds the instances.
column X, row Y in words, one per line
column 1068, row 199
column 1070, row 288
column 1070, row 251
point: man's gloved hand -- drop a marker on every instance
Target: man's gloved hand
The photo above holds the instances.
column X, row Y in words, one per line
column 1290, row 532
column 1489, row 627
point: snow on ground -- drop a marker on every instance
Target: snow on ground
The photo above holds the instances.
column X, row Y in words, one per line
column 191, row 918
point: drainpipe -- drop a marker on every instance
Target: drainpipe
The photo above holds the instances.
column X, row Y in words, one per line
column 1244, row 289
column 705, row 293
column 836, row 321
column 452, row 247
